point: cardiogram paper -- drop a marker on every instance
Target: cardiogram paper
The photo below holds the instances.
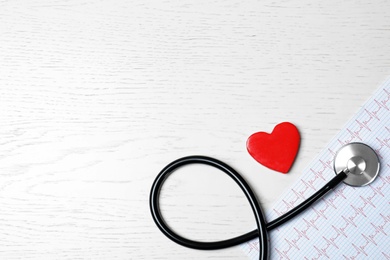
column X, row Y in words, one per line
column 348, row 223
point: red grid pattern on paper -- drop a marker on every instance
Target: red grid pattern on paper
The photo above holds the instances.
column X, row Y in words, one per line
column 370, row 207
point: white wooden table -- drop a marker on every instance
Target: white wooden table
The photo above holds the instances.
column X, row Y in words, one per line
column 97, row 96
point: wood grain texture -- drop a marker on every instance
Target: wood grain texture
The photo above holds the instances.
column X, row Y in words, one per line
column 97, row 96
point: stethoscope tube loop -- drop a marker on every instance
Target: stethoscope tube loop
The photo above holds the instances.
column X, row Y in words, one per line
column 262, row 226
column 261, row 231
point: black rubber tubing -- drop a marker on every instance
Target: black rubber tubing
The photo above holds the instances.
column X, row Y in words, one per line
column 262, row 226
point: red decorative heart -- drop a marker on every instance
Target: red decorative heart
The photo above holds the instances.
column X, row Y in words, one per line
column 277, row 150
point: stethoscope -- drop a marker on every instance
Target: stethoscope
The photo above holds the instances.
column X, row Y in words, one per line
column 356, row 164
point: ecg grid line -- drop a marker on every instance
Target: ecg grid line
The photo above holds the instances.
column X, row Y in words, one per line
column 348, row 223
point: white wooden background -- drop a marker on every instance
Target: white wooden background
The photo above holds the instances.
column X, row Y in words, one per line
column 97, row 96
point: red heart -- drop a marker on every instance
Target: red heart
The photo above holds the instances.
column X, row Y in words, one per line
column 277, row 150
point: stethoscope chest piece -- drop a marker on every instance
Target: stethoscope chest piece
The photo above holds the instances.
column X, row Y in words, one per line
column 360, row 162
